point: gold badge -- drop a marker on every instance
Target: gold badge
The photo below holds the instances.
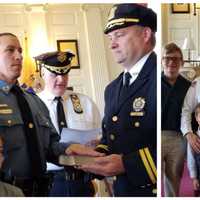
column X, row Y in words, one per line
column 6, row 111
column 112, row 12
column 137, row 114
column 138, row 104
column 76, row 103
column 61, row 57
column 3, row 105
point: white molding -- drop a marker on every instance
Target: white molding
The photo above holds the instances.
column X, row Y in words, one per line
column 97, row 54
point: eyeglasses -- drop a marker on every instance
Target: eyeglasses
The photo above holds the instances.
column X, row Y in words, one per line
column 167, row 59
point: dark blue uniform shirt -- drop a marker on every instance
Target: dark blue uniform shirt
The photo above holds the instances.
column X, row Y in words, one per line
column 129, row 129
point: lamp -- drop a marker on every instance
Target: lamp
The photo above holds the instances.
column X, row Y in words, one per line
column 196, row 6
column 188, row 44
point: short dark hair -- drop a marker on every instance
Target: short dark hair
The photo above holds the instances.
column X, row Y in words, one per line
column 153, row 39
column 7, row 34
column 197, row 109
column 171, row 48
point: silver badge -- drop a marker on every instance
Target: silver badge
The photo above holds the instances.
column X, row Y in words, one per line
column 138, row 104
column 6, row 88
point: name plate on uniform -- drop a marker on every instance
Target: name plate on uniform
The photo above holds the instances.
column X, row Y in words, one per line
column 75, row 160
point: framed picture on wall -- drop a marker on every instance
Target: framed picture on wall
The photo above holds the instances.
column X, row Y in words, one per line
column 72, row 46
column 180, row 8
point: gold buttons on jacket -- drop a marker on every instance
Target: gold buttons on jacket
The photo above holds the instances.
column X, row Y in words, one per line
column 154, row 191
column 137, row 124
column 114, row 118
column 62, row 123
column 30, row 125
column 112, row 137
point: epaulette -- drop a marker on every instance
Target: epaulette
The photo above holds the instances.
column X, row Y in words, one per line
column 76, row 103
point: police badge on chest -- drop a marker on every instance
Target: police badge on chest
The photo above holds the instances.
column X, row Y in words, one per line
column 138, row 107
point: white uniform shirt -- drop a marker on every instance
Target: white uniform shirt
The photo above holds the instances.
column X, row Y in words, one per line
column 135, row 69
column 192, row 98
column 191, row 163
column 89, row 119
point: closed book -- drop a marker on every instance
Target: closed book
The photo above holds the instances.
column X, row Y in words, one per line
column 75, row 160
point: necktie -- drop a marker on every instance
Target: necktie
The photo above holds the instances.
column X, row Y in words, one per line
column 125, row 87
column 30, row 132
column 127, row 79
column 60, row 114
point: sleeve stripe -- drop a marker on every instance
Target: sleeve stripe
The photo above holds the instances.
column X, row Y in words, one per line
column 105, row 147
column 146, row 164
column 151, row 162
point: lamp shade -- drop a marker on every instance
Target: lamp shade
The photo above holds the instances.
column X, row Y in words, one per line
column 188, row 44
column 198, row 5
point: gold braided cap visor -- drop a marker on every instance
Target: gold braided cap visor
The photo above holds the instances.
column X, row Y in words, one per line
column 120, row 21
column 58, row 70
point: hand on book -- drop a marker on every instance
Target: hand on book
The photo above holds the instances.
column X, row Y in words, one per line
column 82, row 150
column 106, row 166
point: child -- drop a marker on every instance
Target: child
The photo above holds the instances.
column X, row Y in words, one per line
column 193, row 158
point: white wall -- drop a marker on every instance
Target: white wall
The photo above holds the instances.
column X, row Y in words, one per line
column 83, row 22
column 176, row 27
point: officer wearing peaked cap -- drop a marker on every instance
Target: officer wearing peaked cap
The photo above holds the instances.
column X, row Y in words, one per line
column 30, row 137
column 57, row 62
column 129, row 123
column 125, row 15
column 77, row 111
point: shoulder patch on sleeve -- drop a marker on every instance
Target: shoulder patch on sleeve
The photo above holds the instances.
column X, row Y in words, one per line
column 76, row 103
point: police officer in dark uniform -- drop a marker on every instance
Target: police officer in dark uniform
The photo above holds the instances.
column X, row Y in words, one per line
column 25, row 125
column 129, row 124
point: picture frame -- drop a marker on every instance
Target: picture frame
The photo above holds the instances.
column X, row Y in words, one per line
column 179, row 8
column 72, row 46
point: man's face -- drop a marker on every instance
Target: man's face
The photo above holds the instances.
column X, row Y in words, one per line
column 10, row 58
column 171, row 63
column 56, row 84
column 128, row 44
column 1, row 153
